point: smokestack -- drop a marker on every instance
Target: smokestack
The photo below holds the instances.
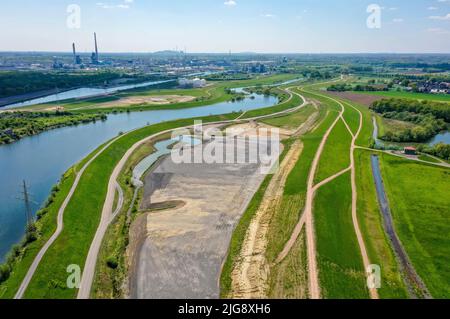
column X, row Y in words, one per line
column 74, row 54
column 96, row 48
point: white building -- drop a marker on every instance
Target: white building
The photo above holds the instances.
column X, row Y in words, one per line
column 196, row 83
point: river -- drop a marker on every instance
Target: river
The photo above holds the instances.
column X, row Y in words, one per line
column 82, row 93
column 42, row 159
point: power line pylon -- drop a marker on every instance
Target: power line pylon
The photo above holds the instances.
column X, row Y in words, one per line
column 26, row 200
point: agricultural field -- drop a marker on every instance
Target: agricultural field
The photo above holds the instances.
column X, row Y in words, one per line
column 410, row 95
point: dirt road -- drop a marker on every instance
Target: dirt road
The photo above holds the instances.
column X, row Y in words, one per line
column 249, row 276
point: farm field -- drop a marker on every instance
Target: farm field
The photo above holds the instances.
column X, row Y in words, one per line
column 407, row 95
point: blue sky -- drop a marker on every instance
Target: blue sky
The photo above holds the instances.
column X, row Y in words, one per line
column 303, row 26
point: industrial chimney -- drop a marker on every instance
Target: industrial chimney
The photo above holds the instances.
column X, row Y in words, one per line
column 96, row 47
column 74, row 54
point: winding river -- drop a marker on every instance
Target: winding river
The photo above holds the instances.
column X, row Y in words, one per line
column 42, row 159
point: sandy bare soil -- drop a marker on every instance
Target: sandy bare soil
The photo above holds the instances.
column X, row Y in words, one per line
column 140, row 100
column 364, row 99
column 181, row 251
column 250, row 274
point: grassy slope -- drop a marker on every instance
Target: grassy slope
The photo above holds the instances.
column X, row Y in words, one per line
column 289, row 279
column 418, row 195
column 370, row 218
column 285, row 219
column 291, row 121
column 375, row 238
column 336, row 154
column 341, row 272
column 287, row 104
column 47, row 227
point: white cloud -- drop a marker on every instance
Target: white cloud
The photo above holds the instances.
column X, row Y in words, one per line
column 438, row 31
column 432, row 8
column 230, row 3
column 268, row 15
column 398, row 20
column 125, row 5
column 446, row 17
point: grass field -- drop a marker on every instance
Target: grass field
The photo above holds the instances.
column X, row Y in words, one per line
column 419, row 199
column 375, row 238
column 341, row 271
column 293, row 120
column 393, row 126
column 414, row 96
column 427, row 158
column 336, row 154
column 289, row 279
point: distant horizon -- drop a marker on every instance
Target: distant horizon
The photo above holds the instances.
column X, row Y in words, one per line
column 235, row 53
column 218, row 26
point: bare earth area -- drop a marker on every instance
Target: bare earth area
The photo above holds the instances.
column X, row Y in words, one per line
column 141, row 100
column 250, row 274
column 179, row 252
column 364, row 99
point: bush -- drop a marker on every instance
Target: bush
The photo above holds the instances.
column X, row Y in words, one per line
column 112, row 262
column 5, row 272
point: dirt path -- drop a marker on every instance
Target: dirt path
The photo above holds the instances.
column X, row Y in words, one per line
column 59, row 228
column 307, row 218
column 249, row 276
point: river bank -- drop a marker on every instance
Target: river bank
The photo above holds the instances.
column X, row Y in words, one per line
column 42, row 159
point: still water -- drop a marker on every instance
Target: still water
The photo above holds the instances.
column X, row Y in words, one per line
column 82, row 93
column 42, row 159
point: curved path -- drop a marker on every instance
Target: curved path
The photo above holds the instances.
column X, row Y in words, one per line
column 60, row 217
column 59, row 227
column 90, row 265
column 307, row 217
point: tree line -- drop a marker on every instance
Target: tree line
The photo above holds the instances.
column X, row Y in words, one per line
column 429, row 118
column 16, row 125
